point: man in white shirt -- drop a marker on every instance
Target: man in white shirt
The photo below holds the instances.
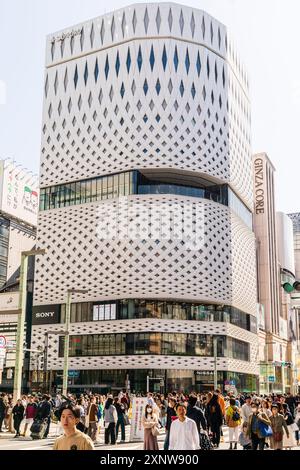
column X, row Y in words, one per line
column 183, row 432
column 246, row 409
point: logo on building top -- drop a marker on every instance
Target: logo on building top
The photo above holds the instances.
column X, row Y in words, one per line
column 71, row 34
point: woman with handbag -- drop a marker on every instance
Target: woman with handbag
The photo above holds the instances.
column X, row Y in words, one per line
column 150, row 424
column 258, row 427
column 289, row 442
column 277, row 424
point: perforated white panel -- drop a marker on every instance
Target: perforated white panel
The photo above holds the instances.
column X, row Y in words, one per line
column 172, row 96
column 146, row 267
column 141, row 361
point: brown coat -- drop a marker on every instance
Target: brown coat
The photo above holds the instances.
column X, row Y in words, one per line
column 277, row 423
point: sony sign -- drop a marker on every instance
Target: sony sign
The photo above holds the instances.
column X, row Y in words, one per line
column 259, row 192
column 45, row 314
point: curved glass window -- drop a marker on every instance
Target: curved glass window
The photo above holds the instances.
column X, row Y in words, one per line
column 134, row 182
column 169, row 344
column 135, row 309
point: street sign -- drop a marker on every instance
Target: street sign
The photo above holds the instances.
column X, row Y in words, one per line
column 271, row 378
column 73, row 373
column 2, row 352
column 2, row 342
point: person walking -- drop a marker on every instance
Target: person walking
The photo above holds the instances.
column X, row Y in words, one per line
column 297, row 422
column 30, row 413
column 215, row 419
column 120, row 407
column 2, row 409
column 150, row 425
column 278, row 423
column 18, row 414
column 92, row 412
column 244, row 439
column 110, row 420
column 171, row 414
column 72, row 439
column 254, row 427
column 44, row 412
column 195, row 413
column 246, row 409
column 183, row 432
column 233, row 421
column 288, row 442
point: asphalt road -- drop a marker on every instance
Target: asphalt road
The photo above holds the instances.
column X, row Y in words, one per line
column 8, row 442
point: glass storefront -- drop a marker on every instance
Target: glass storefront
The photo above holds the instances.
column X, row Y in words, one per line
column 134, row 182
column 135, row 309
column 178, row 344
column 160, row 380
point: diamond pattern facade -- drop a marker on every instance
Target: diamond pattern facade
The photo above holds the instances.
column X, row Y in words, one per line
column 154, row 88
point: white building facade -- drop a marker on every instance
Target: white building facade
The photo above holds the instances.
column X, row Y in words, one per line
column 146, row 202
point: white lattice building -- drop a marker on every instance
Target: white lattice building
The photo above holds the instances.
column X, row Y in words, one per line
column 146, row 200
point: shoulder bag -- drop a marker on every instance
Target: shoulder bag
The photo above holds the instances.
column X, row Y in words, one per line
column 265, row 429
column 155, row 430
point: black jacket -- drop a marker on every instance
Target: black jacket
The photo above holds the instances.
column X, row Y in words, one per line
column 44, row 410
column 2, row 407
column 197, row 415
column 170, row 412
column 214, row 414
column 18, row 411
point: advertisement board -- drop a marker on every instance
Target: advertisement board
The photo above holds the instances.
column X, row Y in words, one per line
column 260, row 313
column 292, row 325
column 19, row 192
column 138, row 409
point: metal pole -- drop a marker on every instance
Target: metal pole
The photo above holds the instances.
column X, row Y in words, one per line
column 45, row 361
column 20, row 329
column 147, row 383
column 66, row 346
column 215, row 364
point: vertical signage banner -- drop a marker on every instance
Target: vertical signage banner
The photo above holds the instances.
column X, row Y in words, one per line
column 19, row 192
column 138, row 409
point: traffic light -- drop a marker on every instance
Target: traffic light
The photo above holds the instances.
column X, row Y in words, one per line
column 291, row 287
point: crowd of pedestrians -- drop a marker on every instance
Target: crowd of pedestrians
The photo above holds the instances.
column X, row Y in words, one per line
column 188, row 421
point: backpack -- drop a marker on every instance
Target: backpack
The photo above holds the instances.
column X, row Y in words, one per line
column 99, row 412
column 236, row 415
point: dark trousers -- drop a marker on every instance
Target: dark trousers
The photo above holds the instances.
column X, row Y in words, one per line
column 216, row 434
column 2, row 416
column 17, row 422
column 48, row 426
column 257, row 442
column 167, row 440
column 109, row 433
column 120, row 422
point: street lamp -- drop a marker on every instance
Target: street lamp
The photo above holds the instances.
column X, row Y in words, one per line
column 215, row 363
column 21, row 320
column 67, row 335
column 47, row 333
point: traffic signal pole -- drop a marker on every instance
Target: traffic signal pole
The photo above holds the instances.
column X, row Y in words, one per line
column 20, row 329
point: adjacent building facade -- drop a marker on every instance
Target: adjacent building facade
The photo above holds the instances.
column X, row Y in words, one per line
column 146, row 202
column 18, row 219
column 275, row 266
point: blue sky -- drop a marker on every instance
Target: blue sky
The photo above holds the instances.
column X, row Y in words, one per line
column 267, row 35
